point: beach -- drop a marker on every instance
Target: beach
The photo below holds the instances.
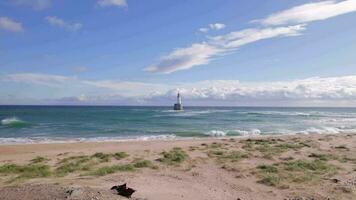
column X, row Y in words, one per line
column 177, row 100
column 248, row 168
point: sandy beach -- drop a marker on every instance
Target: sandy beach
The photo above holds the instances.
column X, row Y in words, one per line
column 275, row 167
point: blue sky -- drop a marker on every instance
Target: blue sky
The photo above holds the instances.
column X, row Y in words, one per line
column 220, row 52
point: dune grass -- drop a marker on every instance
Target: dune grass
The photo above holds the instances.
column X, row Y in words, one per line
column 106, row 157
column 322, row 157
column 102, row 171
column 135, row 164
column 85, row 163
column 102, row 157
column 270, row 180
column 39, row 159
column 270, row 147
column 316, row 166
column 65, row 166
column 215, row 145
column 74, row 164
column 227, row 156
column 140, row 163
column 174, row 157
column 299, row 171
column 26, row 171
column 268, row 168
column 120, row 155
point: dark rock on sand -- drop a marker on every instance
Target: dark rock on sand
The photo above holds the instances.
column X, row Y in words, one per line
column 123, row 190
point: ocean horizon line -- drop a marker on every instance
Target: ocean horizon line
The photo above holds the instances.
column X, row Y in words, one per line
column 168, row 106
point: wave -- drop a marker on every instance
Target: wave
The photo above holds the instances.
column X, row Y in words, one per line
column 165, row 137
column 220, row 133
column 216, row 133
column 14, row 122
column 326, row 130
column 49, row 140
column 255, row 132
column 189, row 113
column 245, row 132
column 284, row 113
column 301, row 113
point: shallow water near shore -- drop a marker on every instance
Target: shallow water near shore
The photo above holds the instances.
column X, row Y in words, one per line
column 44, row 124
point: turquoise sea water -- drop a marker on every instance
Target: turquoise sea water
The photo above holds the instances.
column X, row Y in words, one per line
column 32, row 124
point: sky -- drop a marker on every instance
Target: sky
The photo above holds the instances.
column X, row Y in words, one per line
column 216, row 53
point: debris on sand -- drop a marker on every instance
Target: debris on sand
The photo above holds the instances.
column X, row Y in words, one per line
column 123, row 190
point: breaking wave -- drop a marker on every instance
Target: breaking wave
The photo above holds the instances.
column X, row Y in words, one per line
column 216, row 133
column 189, row 113
column 326, row 130
column 14, row 122
column 220, row 133
column 48, row 140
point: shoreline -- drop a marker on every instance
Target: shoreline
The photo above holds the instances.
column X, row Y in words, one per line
column 245, row 167
column 168, row 137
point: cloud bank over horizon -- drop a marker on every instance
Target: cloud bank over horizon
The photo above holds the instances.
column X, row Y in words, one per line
column 315, row 91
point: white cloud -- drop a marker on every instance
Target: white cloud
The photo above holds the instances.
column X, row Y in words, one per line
column 10, row 25
column 35, row 4
column 216, row 26
column 55, row 21
column 240, row 38
column 204, row 30
column 41, row 79
column 202, row 53
column 315, row 91
column 128, row 88
column 118, row 3
column 185, row 58
column 310, row 12
column 199, row 54
column 80, row 69
column 315, row 88
column 70, row 82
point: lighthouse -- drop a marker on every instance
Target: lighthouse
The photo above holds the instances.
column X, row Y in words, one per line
column 178, row 105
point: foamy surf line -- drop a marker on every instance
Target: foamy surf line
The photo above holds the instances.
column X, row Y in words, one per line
column 213, row 134
column 46, row 140
column 19, row 141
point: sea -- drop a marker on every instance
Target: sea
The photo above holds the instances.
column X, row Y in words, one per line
column 55, row 124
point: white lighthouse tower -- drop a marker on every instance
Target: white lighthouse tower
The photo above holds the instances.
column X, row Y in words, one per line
column 178, row 105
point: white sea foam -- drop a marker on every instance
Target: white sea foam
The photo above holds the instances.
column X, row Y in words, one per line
column 11, row 121
column 247, row 132
column 190, row 113
column 32, row 140
column 326, row 130
column 220, row 133
column 216, row 133
column 46, row 140
column 281, row 113
column 212, row 133
column 157, row 137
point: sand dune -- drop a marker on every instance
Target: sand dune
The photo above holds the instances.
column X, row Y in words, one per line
column 266, row 168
